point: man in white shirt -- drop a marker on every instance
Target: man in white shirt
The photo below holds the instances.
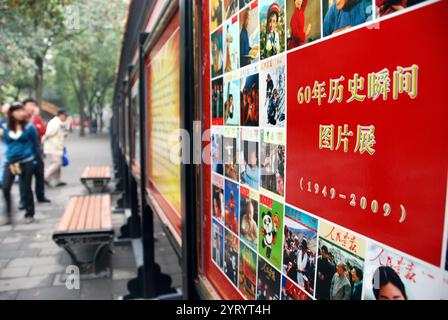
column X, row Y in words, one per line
column 53, row 142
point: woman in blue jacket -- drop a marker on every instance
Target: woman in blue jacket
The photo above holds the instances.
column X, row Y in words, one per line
column 22, row 145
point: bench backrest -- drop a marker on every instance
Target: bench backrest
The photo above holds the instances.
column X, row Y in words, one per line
column 97, row 172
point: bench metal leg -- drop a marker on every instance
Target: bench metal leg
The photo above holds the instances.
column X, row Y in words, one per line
column 89, row 266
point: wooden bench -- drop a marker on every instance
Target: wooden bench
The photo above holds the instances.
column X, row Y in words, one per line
column 85, row 230
column 94, row 178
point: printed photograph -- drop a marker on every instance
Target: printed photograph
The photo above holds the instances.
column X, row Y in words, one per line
column 270, row 235
column 244, row 3
column 393, row 276
column 218, row 243
column 231, row 153
column 272, row 157
column 215, row 14
column 217, row 102
column 272, row 28
column 217, row 151
column 340, row 264
column 249, row 163
column 248, row 272
column 231, row 101
column 231, row 45
column 217, row 56
column 230, row 8
column 273, row 92
column 249, row 97
column 290, row 291
column 385, row 7
column 218, row 197
column 232, row 196
column 269, row 281
column 340, row 15
column 249, row 216
column 300, row 248
column 303, row 22
column 230, row 267
column 249, row 35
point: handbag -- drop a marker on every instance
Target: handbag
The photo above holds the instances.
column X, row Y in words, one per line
column 65, row 160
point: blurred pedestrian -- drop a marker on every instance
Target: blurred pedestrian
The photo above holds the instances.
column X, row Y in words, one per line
column 3, row 122
column 53, row 142
column 34, row 118
column 21, row 140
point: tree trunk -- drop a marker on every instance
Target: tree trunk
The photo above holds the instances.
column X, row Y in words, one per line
column 82, row 115
column 39, row 80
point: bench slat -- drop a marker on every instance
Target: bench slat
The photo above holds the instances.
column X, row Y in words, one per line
column 106, row 219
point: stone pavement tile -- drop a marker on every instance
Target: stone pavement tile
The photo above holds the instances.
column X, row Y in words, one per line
column 7, row 228
column 10, row 246
column 120, row 287
column 99, row 289
column 123, row 263
column 40, row 245
column 50, row 251
column 59, row 279
column 46, row 269
column 24, row 283
column 12, row 254
column 123, row 274
column 12, row 240
column 3, row 263
column 19, row 262
column 51, row 293
column 15, row 272
column 33, row 226
column 8, row 295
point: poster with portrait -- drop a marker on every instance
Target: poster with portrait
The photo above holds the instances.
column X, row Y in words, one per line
column 300, row 248
column 249, row 162
column 391, row 275
column 340, row 15
column 231, row 150
column 273, row 92
column 231, row 245
column 218, row 197
column 340, row 266
column 303, row 22
column 269, row 281
column 232, row 99
column 232, row 212
column 230, row 8
column 218, row 243
column 217, row 56
column 290, row 291
column 217, row 103
column 249, row 35
column 249, row 204
column 272, row 159
column 217, row 141
column 249, row 96
column 231, row 45
column 272, row 28
column 270, row 235
column 247, row 281
column 215, row 13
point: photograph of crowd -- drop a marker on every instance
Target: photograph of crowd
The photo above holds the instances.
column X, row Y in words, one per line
column 217, row 151
column 230, row 267
column 231, row 153
column 273, row 93
column 231, row 45
column 249, row 99
column 218, row 197
column 231, row 101
column 290, row 291
column 269, row 281
column 249, row 35
column 215, row 14
column 232, row 196
column 272, row 28
column 390, row 275
column 339, row 273
column 340, row 15
column 248, row 272
column 270, row 235
column 218, row 243
column 249, row 216
column 300, row 248
column 249, row 164
column 217, row 102
column 217, row 54
column 272, row 156
column 303, row 22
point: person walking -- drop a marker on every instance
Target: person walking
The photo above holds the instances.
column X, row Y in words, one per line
column 21, row 140
column 53, row 142
column 33, row 117
column 3, row 121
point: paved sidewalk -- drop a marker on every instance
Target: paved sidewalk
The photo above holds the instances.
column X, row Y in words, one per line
column 32, row 266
